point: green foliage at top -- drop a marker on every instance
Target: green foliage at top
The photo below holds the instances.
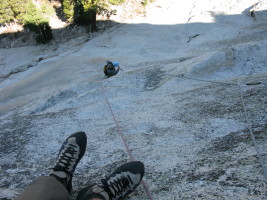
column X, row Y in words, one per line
column 6, row 14
column 36, row 21
column 12, row 10
column 46, row 9
column 83, row 12
column 146, row 2
column 34, row 15
column 16, row 10
column 95, row 6
column 68, row 9
column 116, row 2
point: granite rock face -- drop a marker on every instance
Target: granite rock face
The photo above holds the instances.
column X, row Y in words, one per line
column 190, row 89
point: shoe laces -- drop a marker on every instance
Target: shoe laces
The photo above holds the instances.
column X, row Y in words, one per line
column 66, row 159
column 117, row 186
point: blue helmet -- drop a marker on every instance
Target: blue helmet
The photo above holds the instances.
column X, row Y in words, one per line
column 116, row 63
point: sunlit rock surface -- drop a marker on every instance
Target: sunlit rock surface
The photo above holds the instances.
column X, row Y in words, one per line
column 178, row 101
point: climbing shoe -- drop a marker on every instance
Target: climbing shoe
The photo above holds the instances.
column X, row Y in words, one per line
column 71, row 152
column 120, row 183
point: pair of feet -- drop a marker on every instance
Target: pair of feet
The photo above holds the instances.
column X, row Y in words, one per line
column 120, row 183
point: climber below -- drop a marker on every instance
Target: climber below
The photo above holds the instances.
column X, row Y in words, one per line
column 110, row 68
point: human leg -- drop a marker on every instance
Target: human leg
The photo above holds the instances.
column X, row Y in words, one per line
column 58, row 184
column 44, row 188
column 120, row 183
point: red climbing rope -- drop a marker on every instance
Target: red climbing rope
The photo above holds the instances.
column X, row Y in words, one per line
column 126, row 144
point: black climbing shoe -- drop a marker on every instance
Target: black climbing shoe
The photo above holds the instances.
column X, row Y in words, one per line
column 71, row 152
column 120, row 183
